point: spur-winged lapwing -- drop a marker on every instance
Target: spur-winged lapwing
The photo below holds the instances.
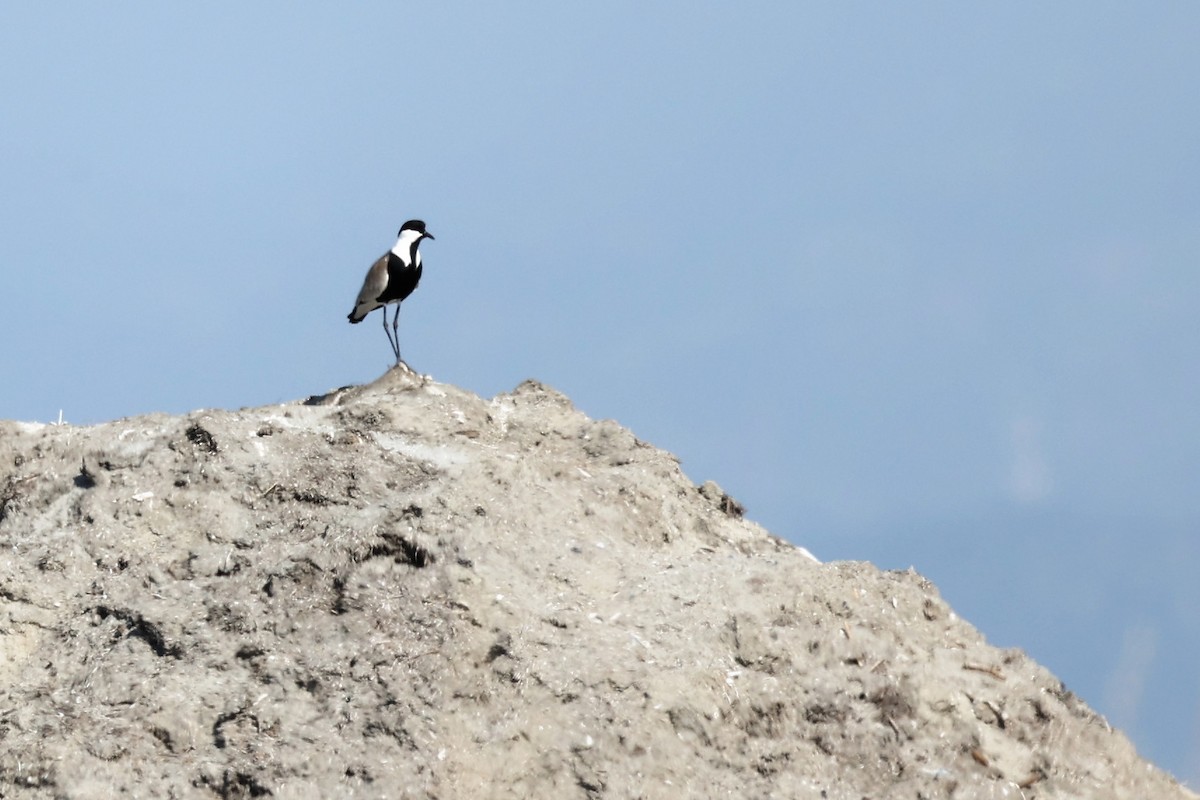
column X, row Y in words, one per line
column 391, row 279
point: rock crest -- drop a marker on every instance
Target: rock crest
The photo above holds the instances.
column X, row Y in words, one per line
column 403, row 590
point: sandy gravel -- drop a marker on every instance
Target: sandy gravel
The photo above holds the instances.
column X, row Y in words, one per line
column 406, row 591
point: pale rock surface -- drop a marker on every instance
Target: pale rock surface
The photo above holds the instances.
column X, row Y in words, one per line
column 403, row 590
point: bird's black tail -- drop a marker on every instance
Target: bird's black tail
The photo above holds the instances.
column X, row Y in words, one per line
column 354, row 321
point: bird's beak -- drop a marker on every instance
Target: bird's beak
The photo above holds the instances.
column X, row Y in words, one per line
column 429, row 235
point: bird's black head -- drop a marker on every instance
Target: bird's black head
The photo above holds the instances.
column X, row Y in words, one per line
column 415, row 225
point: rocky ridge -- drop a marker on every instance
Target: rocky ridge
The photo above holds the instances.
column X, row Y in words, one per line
column 404, row 590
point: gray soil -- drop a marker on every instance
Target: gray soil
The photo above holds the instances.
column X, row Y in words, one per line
column 404, row 590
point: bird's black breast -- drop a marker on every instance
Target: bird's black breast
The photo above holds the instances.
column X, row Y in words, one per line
column 402, row 279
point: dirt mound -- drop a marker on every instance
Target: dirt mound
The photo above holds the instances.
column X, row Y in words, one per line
column 403, row 590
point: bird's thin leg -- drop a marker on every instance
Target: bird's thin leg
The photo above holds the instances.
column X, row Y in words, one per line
column 396, row 331
column 387, row 333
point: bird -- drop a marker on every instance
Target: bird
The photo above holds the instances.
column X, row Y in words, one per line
column 391, row 279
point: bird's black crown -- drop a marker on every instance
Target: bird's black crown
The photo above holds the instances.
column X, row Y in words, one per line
column 412, row 225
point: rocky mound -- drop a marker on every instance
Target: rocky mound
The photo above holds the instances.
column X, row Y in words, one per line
column 403, row 590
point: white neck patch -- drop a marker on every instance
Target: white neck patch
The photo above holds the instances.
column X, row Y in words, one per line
column 403, row 245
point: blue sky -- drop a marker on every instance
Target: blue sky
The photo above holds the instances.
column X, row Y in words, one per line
column 917, row 284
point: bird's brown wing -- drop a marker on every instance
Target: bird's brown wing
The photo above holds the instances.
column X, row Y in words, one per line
column 373, row 286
